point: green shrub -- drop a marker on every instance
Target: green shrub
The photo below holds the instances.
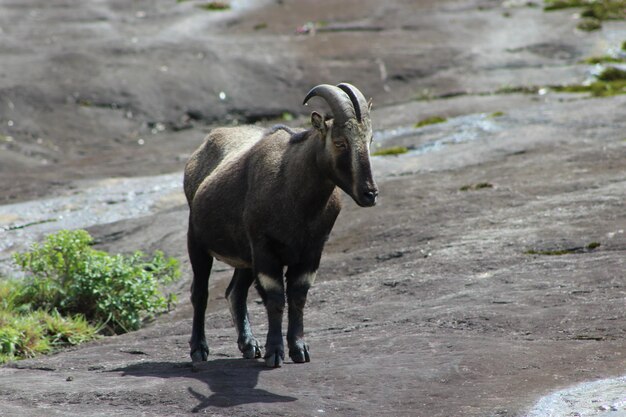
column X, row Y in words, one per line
column 67, row 275
column 72, row 292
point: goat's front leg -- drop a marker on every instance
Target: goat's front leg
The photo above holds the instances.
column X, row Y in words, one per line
column 298, row 284
column 269, row 282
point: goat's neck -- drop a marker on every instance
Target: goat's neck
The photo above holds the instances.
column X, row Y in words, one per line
column 309, row 172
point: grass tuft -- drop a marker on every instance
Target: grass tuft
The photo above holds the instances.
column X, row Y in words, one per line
column 25, row 333
column 394, row 150
column 214, row 6
column 430, row 121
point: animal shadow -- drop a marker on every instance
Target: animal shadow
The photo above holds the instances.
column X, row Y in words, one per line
column 231, row 382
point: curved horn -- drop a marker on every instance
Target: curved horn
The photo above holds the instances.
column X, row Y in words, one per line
column 339, row 101
column 358, row 100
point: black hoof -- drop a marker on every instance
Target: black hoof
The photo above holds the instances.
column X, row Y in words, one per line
column 252, row 352
column 200, row 354
column 274, row 359
column 249, row 347
column 300, row 354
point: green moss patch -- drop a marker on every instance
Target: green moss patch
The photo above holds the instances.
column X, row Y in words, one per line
column 612, row 74
column 589, row 24
column 605, row 10
column 610, row 82
column 566, row 251
column 593, row 245
column 25, row 225
column 214, row 6
column 496, row 114
column 596, row 89
column 287, row 117
column 563, row 4
column 605, row 59
column 393, row 150
column 593, row 11
column 430, row 121
column 532, row 89
column 548, row 252
column 597, row 9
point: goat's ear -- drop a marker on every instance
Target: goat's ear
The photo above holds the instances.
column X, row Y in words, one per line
column 318, row 122
column 369, row 104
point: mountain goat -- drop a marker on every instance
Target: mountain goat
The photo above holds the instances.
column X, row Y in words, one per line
column 265, row 200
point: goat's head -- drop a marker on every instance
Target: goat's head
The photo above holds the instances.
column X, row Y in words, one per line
column 347, row 138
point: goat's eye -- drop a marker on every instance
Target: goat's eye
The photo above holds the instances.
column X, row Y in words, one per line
column 341, row 143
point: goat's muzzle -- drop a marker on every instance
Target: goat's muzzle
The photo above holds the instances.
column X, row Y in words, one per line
column 368, row 197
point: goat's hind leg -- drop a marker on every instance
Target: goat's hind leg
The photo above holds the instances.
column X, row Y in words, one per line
column 201, row 263
column 237, row 294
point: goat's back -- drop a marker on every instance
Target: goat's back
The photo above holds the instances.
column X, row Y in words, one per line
column 220, row 146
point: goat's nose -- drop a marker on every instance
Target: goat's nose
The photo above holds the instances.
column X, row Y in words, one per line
column 371, row 194
column 370, row 197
